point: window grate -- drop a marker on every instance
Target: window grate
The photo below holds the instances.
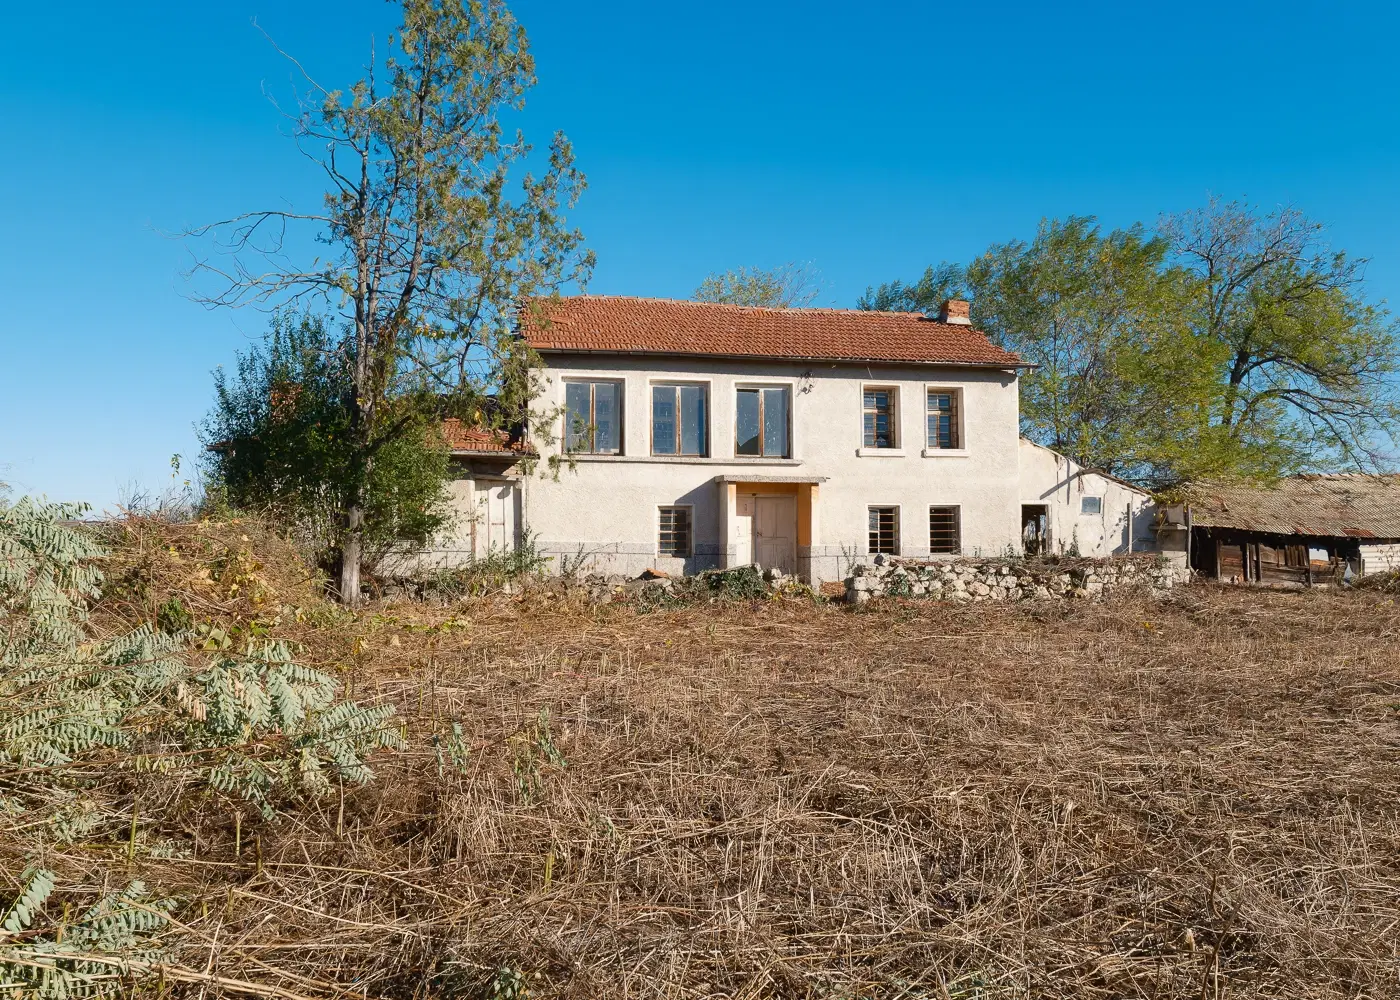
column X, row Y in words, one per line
column 878, row 411
column 944, row 530
column 942, row 419
column 884, row 530
column 674, row 539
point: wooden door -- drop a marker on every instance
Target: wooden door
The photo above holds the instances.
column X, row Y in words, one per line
column 502, row 520
column 743, row 529
column 775, row 532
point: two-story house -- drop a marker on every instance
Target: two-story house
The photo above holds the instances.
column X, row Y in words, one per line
column 706, row 436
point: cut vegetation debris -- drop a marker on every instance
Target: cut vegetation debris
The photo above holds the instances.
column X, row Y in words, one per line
column 1192, row 796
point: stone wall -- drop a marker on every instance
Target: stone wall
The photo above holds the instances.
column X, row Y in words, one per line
column 1011, row 579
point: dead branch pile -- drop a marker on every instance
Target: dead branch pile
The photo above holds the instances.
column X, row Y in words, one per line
column 1191, row 797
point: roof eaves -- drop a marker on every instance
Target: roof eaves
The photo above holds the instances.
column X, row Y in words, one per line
column 782, row 357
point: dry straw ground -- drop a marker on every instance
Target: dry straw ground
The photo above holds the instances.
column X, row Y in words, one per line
column 1191, row 798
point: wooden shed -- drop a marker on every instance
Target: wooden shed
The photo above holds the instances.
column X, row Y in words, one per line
column 1306, row 529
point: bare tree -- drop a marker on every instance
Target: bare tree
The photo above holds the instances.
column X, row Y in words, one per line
column 429, row 256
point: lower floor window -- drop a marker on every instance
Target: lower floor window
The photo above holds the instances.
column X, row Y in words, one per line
column 944, row 530
column 674, row 539
column 884, row 530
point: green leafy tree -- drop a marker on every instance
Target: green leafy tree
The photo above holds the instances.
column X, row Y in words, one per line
column 790, row 286
column 280, row 439
column 1228, row 344
column 935, row 286
column 428, row 252
column 1086, row 307
column 1304, row 366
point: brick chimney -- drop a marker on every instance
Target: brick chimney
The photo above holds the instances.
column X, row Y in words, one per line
column 955, row 311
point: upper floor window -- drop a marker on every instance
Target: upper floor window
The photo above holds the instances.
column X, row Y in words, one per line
column 880, row 408
column 943, row 418
column 680, row 420
column 761, row 422
column 593, row 417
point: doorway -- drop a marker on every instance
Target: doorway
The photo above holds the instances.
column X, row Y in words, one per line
column 775, row 532
column 501, row 520
column 1035, row 529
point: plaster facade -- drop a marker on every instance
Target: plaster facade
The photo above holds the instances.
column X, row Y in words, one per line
column 601, row 513
column 1122, row 524
column 1379, row 557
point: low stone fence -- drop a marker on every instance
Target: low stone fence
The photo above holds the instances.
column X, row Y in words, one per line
column 1012, row 579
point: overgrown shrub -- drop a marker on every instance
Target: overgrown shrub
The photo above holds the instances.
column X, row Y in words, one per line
column 83, row 716
column 491, row 572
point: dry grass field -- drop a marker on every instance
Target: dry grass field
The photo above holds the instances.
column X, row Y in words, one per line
column 1189, row 798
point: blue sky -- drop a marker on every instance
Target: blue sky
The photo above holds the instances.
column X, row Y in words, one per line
column 866, row 139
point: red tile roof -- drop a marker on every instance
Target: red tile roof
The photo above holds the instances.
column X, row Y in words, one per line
column 464, row 440
column 622, row 324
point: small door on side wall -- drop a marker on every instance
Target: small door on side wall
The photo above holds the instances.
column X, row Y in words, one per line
column 501, row 518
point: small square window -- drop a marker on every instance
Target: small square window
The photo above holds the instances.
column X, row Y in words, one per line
column 1091, row 505
column 879, row 409
column 884, row 530
column 944, row 530
column 674, row 539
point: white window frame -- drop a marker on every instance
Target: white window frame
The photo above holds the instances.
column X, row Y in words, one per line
column 896, row 413
column 690, row 515
column 898, row 528
column 708, row 386
column 791, row 387
column 623, row 405
column 960, row 406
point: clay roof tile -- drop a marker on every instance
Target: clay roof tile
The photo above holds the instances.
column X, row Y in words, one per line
column 627, row 325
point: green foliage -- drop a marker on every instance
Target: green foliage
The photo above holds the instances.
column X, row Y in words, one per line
column 56, row 959
column 1303, row 367
column 46, row 574
column 534, row 749
column 743, row 583
column 786, row 287
column 493, row 571
column 250, row 726
column 282, row 441
column 1229, row 344
column 428, row 252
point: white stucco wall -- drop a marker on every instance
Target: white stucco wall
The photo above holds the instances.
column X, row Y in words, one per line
column 1123, row 525
column 605, row 509
column 1379, row 557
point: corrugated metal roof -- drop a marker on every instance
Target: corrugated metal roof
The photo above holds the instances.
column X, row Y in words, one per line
column 1344, row 505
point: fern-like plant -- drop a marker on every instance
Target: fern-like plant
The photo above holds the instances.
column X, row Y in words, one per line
column 254, row 726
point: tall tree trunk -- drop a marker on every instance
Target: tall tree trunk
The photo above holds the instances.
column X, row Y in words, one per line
column 351, row 553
